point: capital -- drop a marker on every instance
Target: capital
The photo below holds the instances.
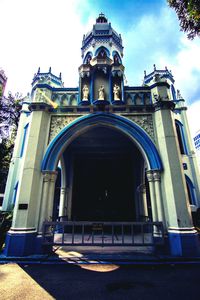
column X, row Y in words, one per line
column 150, row 175
column 50, row 176
column 156, row 175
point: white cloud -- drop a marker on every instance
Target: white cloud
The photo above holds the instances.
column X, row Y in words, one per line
column 193, row 117
column 40, row 33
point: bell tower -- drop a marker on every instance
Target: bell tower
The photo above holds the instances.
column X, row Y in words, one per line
column 102, row 72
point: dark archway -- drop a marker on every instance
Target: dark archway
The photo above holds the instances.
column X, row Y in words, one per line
column 107, row 169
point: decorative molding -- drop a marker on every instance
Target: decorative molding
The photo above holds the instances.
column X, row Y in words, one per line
column 144, row 121
column 58, row 123
column 156, row 175
column 149, row 174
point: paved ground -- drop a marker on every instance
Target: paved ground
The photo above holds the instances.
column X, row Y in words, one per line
column 15, row 283
column 99, row 281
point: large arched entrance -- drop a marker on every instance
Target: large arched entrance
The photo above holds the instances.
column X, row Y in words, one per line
column 104, row 169
column 106, row 162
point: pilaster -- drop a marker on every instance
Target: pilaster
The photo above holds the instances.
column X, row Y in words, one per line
column 150, row 179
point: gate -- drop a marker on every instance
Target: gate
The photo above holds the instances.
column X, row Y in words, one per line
column 70, row 233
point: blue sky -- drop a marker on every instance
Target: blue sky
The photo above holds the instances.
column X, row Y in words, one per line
column 49, row 33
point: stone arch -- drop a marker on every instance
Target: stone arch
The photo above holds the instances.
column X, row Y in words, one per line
column 138, row 100
column 73, row 100
column 64, row 99
column 116, row 57
column 127, row 127
column 129, row 99
column 88, row 57
column 104, row 49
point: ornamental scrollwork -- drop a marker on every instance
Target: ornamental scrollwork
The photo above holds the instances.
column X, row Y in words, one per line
column 144, row 121
column 58, row 123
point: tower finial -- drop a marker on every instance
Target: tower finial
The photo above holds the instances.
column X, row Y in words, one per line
column 38, row 70
column 101, row 18
column 154, row 67
column 50, row 70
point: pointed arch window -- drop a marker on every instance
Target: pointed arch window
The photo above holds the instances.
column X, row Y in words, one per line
column 181, row 137
column 116, row 58
column 190, row 190
column 102, row 52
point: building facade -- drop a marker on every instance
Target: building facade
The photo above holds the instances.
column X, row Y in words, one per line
column 197, row 144
column 103, row 151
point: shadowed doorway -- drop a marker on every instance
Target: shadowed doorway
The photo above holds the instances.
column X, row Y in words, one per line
column 107, row 169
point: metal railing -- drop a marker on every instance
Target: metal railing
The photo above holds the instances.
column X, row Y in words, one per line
column 103, row 233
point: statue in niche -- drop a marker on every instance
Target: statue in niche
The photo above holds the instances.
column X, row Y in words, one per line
column 101, row 93
column 85, row 92
column 116, row 92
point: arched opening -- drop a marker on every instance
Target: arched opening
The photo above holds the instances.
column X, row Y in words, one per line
column 181, row 137
column 121, row 151
column 104, row 170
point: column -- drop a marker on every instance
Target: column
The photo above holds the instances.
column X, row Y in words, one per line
column 45, row 195
column 53, row 176
column 142, row 203
column 144, row 200
column 62, row 202
column 152, row 195
column 158, row 196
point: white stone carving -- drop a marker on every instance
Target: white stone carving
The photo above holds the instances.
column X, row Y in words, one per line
column 58, row 123
column 144, row 121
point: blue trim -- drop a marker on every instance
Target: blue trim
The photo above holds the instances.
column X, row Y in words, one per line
column 129, row 128
column 22, row 244
column 15, row 193
column 102, row 48
column 173, row 92
column 192, row 189
column 86, row 56
column 184, row 244
column 98, row 38
column 116, row 53
column 181, row 128
column 136, row 88
column 24, row 139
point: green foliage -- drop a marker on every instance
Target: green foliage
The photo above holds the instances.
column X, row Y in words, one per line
column 188, row 12
column 6, row 148
column 9, row 117
column 5, row 223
